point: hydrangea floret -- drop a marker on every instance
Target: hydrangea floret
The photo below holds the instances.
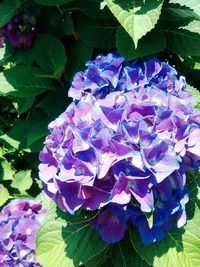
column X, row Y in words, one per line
column 19, row 224
column 123, row 146
column 20, row 31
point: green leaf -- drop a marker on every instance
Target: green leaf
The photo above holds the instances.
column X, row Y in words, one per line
column 6, row 171
column 98, row 260
column 49, row 53
column 180, row 13
column 149, row 217
column 195, row 93
column 4, row 55
column 181, row 247
column 4, row 195
column 24, row 81
column 23, row 104
column 193, row 77
column 183, row 42
column 48, row 103
column 137, row 17
column 22, row 181
column 197, row 66
column 66, row 25
column 52, row 2
column 78, row 54
column 192, row 4
column 193, row 26
column 8, row 9
column 61, row 239
column 124, row 255
column 20, row 55
column 107, row 262
column 24, row 133
column 126, row 46
column 91, row 8
column 96, row 32
column 48, row 204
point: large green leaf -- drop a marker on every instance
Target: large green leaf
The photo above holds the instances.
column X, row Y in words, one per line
column 6, row 170
column 48, row 103
column 91, row 8
column 7, row 9
column 96, row 32
column 24, row 81
column 24, row 133
column 98, row 260
column 52, row 2
column 22, row 104
column 4, row 195
column 22, row 181
column 183, row 42
column 195, row 93
column 181, row 247
column 126, row 46
column 193, row 26
column 192, row 4
column 49, row 53
column 124, row 255
column 137, row 17
column 21, row 55
column 67, row 25
column 70, row 243
column 5, row 55
column 180, row 13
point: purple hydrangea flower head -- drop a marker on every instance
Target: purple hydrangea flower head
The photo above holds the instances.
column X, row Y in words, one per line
column 19, row 223
column 1, row 38
column 21, row 30
column 111, row 223
column 129, row 136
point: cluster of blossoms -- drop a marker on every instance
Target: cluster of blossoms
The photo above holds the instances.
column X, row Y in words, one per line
column 19, row 223
column 20, row 31
column 1, row 38
column 123, row 146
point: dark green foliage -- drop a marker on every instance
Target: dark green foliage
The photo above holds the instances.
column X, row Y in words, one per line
column 33, row 92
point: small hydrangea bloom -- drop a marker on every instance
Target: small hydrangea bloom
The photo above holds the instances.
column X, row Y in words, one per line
column 20, row 31
column 123, row 146
column 19, row 223
column 1, row 38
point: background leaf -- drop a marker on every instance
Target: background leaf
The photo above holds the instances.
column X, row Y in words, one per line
column 124, row 255
column 26, row 132
column 195, row 93
column 183, row 42
column 7, row 9
column 22, row 181
column 78, row 54
column 95, row 32
column 62, row 238
column 67, row 25
column 128, row 50
column 6, row 170
column 180, row 12
column 137, row 18
column 4, row 195
column 91, row 8
column 24, row 81
column 193, row 26
column 52, row 2
column 23, row 104
column 193, row 4
column 49, row 53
